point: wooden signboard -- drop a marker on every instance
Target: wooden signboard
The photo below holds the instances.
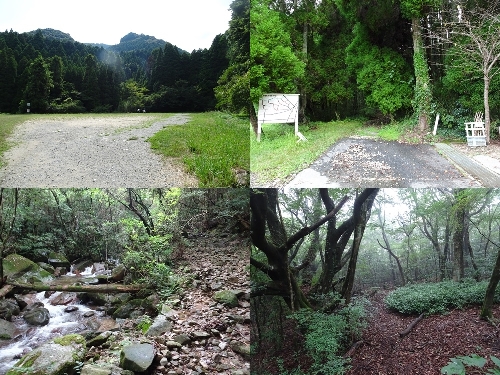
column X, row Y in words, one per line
column 279, row 109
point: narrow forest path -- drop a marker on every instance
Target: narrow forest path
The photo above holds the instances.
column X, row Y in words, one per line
column 428, row 347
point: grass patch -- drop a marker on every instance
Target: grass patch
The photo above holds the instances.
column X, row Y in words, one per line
column 7, row 125
column 278, row 154
column 438, row 298
column 212, row 145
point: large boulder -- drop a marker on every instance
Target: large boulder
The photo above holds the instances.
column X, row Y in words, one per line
column 56, row 357
column 37, row 316
column 7, row 330
column 226, row 297
column 23, row 270
column 118, row 273
column 58, row 260
column 8, row 308
column 137, row 357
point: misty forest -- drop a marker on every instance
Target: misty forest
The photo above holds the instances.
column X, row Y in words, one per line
column 375, row 281
column 57, row 74
column 94, row 279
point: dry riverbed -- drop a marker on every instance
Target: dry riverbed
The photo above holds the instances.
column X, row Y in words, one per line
column 97, row 151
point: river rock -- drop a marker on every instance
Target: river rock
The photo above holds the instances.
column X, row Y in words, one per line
column 56, row 357
column 81, row 266
column 182, row 339
column 99, row 339
column 64, row 298
column 240, row 348
column 38, row 316
column 47, row 267
column 103, row 369
column 58, row 260
column 160, row 326
column 8, row 308
column 129, row 309
column 226, row 297
column 7, row 330
column 70, row 309
column 23, row 270
column 118, row 273
column 137, row 357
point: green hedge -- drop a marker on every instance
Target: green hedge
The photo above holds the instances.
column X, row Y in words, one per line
column 437, row 298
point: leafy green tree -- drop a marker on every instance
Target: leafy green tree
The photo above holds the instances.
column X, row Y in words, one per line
column 416, row 10
column 8, row 75
column 90, row 92
column 38, row 87
column 273, row 65
column 56, row 69
column 232, row 91
column 381, row 73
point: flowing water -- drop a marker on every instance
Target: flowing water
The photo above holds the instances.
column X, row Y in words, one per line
column 30, row 337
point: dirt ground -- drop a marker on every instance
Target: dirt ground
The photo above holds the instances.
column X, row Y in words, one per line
column 101, row 151
column 428, row 347
column 367, row 162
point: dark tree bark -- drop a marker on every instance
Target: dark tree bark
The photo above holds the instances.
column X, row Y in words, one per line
column 253, row 118
column 490, row 290
column 361, row 217
column 388, row 248
column 263, row 205
column 337, row 239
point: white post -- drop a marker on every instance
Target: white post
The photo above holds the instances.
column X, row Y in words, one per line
column 436, row 125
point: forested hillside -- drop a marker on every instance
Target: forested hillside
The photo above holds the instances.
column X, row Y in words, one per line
column 56, row 74
column 380, row 59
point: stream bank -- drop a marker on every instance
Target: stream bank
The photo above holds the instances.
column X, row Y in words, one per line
column 203, row 329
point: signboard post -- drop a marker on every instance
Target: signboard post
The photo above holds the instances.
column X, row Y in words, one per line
column 279, row 109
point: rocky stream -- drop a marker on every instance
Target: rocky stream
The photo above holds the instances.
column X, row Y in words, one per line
column 202, row 328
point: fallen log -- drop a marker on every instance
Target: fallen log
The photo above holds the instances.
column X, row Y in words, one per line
column 5, row 290
column 410, row 327
column 354, row 346
column 103, row 288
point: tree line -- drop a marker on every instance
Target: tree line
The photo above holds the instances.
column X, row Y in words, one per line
column 381, row 59
column 57, row 75
column 141, row 228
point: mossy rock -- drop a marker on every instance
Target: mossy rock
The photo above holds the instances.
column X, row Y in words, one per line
column 56, row 357
column 226, row 297
column 21, row 269
column 58, row 260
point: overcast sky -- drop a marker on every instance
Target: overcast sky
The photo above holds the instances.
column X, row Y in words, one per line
column 188, row 24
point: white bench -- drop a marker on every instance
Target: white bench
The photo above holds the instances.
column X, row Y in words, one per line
column 475, row 131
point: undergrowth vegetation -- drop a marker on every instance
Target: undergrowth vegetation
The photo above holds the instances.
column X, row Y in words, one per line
column 437, row 298
column 212, row 145
column 324, row 338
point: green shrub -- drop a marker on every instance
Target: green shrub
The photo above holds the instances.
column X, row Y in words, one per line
column 456, row 366
column 437, row 298
column 327, row 335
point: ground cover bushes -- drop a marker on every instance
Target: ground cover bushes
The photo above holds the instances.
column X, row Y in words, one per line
column 315, row 340
column 437, row 298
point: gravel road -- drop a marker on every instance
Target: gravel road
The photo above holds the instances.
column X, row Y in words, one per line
column 364, row 162
column 100, row 151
